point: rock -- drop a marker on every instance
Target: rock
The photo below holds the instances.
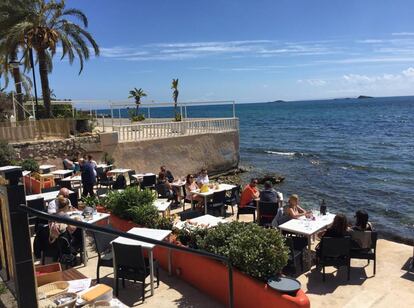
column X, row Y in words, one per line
column 274, row 179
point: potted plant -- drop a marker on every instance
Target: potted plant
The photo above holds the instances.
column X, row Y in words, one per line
column 255, row 254
column 133, row 207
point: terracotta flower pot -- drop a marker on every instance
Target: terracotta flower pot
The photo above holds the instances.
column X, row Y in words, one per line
column 211, row 277
column 121, row 224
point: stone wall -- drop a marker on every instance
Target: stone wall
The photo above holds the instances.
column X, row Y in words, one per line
column 218, row 152
column 51, row 151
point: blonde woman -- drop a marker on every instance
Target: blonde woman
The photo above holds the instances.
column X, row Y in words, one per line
column 294, row 211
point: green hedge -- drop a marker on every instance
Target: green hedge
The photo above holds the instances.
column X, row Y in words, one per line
column 138, row 206
column 254, row 250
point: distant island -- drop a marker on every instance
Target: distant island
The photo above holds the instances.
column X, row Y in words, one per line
column 278, row 101
column 363, row 96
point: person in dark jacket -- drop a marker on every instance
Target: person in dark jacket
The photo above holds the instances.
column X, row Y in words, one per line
column 88, row 177
column 167, row 173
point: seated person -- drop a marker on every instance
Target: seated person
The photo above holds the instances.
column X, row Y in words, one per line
column 269, row 194
column 293, row 210
column 202, row 178
column 52, row 206
column 190, row 185
column 167, row 173
column 338, row 229
column 67, row 163
column 72, row 234
column 362, row 223
column 163, row 187
column 360, row 238
column 249, row 194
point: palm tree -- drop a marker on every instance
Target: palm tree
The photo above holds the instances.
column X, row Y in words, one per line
column 44, row 29
column 174, row 86
column 13, row 12
column 137, row 94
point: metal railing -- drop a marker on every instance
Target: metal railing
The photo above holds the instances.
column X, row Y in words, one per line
column 146, row 131
column 30, row 211
column 35, row 129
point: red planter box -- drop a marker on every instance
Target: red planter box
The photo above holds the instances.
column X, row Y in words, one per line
column 211, row 277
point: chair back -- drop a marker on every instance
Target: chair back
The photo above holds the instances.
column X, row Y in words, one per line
column 189, row 215
column 37, row 204
column 120, row 182
column 130, row 175
column 103, row 241
column 49, row 189
column 123, row 261
column 73, row 197
column 99, row 172
column 149, row 181
column 66, row 184
column 219, row 197
column 102, row 191
column 57, row 181
column 268, row 209
column 335, row 247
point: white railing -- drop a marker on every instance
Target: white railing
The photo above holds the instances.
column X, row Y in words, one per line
column 147, row 131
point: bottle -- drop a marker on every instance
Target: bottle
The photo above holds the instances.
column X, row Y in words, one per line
column 323, row 207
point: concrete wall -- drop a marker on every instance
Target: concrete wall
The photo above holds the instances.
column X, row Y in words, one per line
column 182, row 155
column 217, row 152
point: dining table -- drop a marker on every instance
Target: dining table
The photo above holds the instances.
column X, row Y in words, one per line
column 62, row 173
column 47, row 196
column 163, row 206
column 204, row 221
column 211, row 191
column 155, row 234
column 308, row 227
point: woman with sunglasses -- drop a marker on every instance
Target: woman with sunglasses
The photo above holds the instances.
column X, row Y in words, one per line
column 190, row 185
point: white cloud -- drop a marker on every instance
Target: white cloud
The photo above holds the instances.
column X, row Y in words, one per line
column 313, row 82
column 403, row 33
column 409, row 72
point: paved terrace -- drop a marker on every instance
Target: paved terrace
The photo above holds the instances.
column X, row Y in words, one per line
column 393, row 285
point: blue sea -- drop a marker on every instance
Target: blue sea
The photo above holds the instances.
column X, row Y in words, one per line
column 354, row 153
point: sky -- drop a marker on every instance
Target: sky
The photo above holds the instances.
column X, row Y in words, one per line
column 248, row 51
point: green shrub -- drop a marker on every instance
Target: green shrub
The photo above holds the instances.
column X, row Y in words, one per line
column 256, row 251
column 7, row 153
column 90, row 201
column 191, row 236
column 120, row 202
column 30, row 165
column 138, row 206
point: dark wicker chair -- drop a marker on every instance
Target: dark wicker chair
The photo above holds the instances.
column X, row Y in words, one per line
column 266, row 212
column 37, row 204
column 234, row 198
column 297, row 246
column 189, row 215
column 49, row 189
column 335, row 252
column 217, row 203
column 246, row 210
column 136, row 268
column 148, row 181
column 367, row 254
column 104, row 250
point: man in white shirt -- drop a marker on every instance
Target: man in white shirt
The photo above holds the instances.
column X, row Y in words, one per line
column 202, row 178
column 52, row 207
